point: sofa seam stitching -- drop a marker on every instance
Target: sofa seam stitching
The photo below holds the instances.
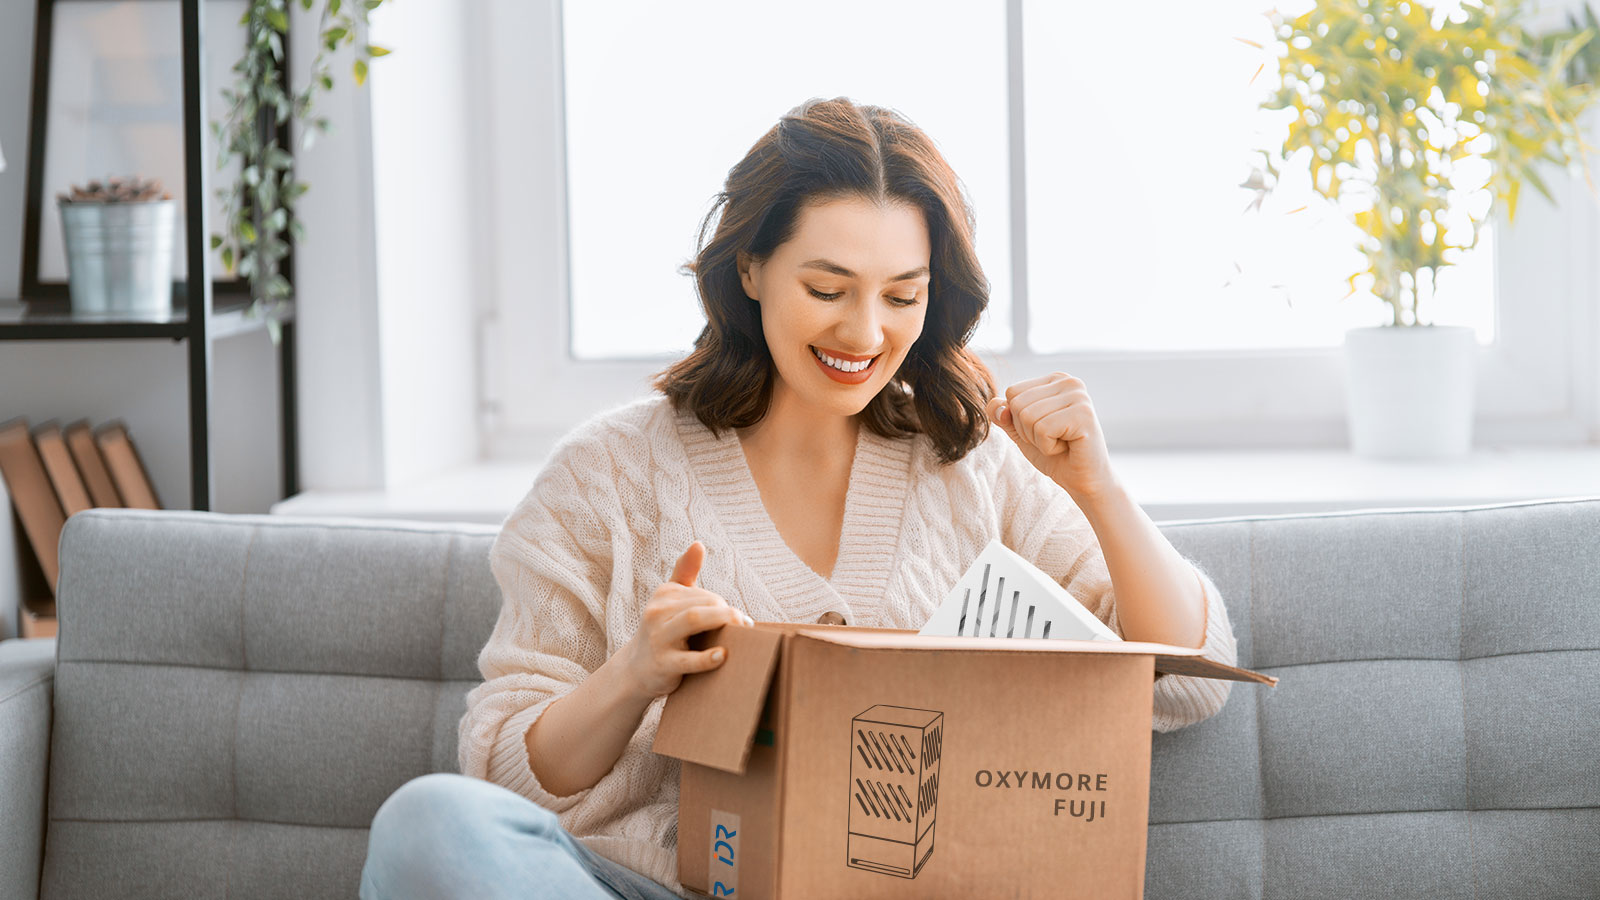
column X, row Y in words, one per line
column 1261, row 764
column 1466, row 742
column 238, row 703
column 1439, row 659
column 444, row 618
column 444, row 602
column 452, row 527
column 1383, row 812
column 183, row 665
column 26, row 688
column 87, row 821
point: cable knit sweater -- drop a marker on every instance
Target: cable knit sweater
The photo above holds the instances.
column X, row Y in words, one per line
column 625, row 493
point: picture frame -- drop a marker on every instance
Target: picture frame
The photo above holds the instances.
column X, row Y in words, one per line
column 107, row 100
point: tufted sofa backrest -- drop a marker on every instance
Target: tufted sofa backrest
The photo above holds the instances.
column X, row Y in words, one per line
column 1435, row 730
column 236, row 695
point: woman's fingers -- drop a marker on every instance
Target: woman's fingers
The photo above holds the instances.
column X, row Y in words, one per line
column 696, row 619
column 664, row 606
column 687, row 662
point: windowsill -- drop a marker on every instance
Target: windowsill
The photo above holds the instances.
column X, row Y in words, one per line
column 1205, row 484
column 1169, row 485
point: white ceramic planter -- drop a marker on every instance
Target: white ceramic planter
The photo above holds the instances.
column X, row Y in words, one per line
column 1409, row 390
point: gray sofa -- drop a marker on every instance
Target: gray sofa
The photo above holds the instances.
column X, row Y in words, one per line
column 232, row 697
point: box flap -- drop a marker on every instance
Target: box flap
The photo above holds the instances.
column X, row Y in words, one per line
column 1206, row 668
column 1168, row 658
column 711, row 718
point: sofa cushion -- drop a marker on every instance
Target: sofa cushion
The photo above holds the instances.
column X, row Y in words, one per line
column 1435, row 727
column 237, row 695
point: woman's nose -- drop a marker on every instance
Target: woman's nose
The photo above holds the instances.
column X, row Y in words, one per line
column 861, row 328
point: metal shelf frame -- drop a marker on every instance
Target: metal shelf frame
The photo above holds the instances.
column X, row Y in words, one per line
column 198, row 317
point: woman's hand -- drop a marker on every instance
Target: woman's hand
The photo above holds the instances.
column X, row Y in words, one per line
column 658, row 656
column 1052, row 421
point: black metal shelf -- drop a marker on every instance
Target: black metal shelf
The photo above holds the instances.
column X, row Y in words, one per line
column 55, row 320
column 46, row 313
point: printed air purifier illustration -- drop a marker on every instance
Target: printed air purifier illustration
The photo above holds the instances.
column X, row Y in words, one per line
column 1003, row 595
column 894, row 788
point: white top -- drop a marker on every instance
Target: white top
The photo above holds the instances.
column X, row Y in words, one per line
column 625, row 493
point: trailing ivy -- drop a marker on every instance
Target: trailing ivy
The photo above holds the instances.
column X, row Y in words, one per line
column 259, row 206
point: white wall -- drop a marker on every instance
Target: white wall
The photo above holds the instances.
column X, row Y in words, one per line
column 388, row 275
column 339, row 395
column 429, row 249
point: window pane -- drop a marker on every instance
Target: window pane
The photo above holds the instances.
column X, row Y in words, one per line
column 1137, row 239
column 663, row 98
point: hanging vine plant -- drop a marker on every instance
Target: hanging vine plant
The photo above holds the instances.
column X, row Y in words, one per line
column 259, row 205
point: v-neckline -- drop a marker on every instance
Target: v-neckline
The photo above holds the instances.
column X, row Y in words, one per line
column 874, row 507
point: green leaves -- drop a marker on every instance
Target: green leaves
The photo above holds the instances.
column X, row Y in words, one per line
column 1386, row 103
column 258, row 218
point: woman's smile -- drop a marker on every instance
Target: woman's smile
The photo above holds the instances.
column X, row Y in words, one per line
column 831, row 366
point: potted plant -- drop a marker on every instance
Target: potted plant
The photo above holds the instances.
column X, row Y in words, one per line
column 1392, row 103
column 118, row 237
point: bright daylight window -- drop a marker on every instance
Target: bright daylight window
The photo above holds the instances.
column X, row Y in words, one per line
column 1140, row 132
column 1138, row 235
column 662, row 98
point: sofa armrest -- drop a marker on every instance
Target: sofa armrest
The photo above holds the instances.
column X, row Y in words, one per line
column 27, row 680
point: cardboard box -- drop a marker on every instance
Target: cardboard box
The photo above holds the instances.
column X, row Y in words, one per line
column 36, row 619
column 830, row 761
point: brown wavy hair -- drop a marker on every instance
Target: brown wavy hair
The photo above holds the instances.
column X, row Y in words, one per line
column 819, row 151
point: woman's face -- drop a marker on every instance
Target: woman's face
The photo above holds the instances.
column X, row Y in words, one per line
column 851, row 283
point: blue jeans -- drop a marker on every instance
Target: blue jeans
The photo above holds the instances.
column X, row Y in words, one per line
column 448, row 835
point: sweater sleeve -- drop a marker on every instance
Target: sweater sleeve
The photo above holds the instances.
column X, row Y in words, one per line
column 1042, row 524
column 552, row 562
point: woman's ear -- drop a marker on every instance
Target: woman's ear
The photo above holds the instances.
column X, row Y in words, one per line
column 747, row 271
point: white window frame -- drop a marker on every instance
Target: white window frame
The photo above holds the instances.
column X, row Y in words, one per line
column 1537, row 383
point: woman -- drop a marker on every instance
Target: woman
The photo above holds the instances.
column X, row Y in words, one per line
column 824, row 454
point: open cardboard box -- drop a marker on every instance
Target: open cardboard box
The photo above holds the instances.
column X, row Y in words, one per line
column 833, row 761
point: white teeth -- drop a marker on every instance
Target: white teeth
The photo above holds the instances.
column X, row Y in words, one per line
column 840, row 364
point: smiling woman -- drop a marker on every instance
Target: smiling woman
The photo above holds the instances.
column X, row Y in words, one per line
column 823, row 455
column 842, row 231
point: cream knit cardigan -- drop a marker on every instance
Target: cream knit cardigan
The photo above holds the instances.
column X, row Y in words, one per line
column 624, row 494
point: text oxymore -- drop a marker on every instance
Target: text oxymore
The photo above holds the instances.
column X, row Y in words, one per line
column 1041, row 781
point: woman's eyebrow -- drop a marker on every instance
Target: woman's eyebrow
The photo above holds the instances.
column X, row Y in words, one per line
column 835, row 268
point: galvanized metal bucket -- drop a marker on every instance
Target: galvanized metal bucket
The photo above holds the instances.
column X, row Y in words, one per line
column 119, row 255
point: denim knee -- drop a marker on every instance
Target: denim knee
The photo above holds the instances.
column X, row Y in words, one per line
column 447, row 807
column 441, row 833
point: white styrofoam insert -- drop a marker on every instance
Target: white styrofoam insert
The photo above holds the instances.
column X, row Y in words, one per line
column 1003, row 595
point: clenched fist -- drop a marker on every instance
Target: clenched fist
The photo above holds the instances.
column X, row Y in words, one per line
column 1052, row 421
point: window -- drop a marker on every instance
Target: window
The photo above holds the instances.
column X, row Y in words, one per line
column 1109, row 229
column 724, row 72
column 1138, row 235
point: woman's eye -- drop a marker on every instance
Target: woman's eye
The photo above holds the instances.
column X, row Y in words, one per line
column 898, row 301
